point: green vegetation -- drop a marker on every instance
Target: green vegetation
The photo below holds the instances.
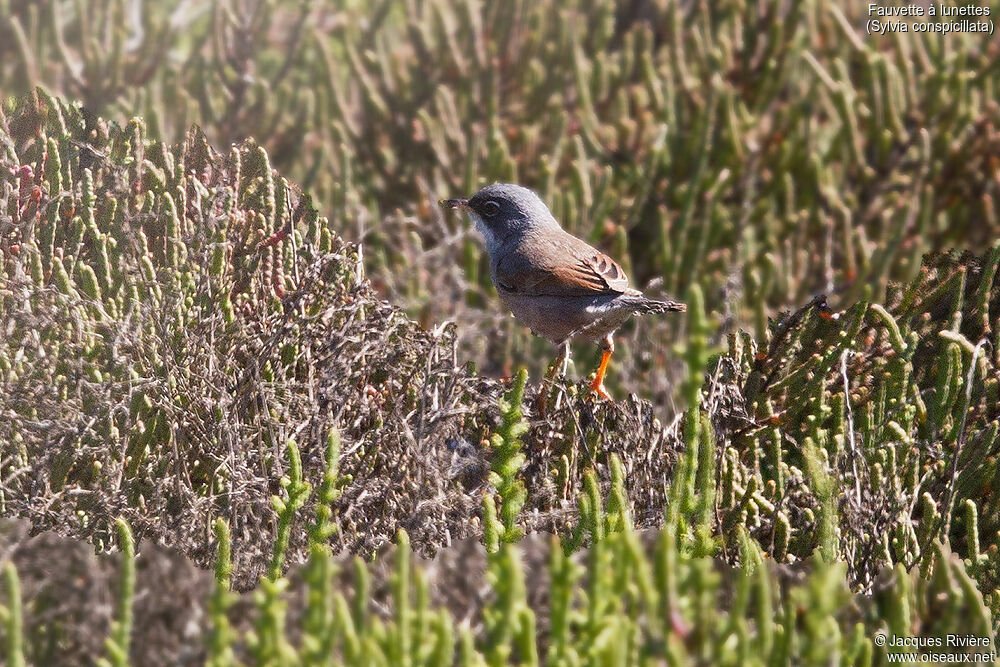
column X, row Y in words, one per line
column 501, row 526
column 121, row 630
column 193, row 347
column 639, row 601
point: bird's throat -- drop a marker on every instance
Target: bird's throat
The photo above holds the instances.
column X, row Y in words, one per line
column 489, row 237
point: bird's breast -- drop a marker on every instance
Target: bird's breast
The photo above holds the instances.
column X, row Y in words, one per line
column 560, row 318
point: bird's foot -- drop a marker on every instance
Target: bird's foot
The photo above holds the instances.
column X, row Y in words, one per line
column 597, row 388
column 597, row 385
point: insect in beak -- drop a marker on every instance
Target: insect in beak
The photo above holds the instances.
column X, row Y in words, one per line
column 455, row 203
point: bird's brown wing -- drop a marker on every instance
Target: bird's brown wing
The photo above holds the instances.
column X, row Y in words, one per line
column 560, row 265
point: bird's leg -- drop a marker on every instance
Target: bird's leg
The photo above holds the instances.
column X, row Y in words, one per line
column 556, row 367
column 597, row 386
column 560, row 363
column 564, row 354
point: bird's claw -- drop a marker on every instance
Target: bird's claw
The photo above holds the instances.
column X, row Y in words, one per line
column 597, row 388
column 597, row 385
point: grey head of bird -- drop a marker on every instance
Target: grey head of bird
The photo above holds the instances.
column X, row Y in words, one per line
column 503, row 211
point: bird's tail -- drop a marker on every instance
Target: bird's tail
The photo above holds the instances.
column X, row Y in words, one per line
column 644, row 304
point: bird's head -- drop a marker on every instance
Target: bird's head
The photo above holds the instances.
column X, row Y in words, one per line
column 504, row 210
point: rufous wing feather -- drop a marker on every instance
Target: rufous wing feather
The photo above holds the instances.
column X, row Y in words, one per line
column 564, row 267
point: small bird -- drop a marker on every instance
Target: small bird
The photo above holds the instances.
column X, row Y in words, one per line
column 554, row 283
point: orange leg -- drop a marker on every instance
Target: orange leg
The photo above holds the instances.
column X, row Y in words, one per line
column 597, row 386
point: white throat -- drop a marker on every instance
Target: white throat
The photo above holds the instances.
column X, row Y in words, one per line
column 489, row 238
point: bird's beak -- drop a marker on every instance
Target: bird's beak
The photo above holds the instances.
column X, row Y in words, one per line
column 462, row 204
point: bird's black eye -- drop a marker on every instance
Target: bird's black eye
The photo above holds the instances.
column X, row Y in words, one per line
column 491, row 208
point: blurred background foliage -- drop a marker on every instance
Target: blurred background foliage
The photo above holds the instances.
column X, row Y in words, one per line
column 764, row 150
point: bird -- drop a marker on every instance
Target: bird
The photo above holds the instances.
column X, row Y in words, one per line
column 554, row 283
